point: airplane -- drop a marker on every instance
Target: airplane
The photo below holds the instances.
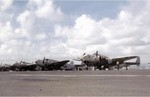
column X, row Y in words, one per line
column 50, row 64
column 103, row 62
column 23, row 66
column 4, row 67
column 39, row 65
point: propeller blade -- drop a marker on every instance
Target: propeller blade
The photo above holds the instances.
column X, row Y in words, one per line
column 84, row 54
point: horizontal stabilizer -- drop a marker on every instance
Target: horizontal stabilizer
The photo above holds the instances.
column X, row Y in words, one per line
column 137, row 62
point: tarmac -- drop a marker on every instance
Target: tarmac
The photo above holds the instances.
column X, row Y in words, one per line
column 76, row 83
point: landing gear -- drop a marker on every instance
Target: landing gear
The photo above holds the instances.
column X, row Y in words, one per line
column 117, row 66
column 38, row 68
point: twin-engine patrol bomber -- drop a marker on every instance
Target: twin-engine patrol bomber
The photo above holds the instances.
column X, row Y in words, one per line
column 96, row 61
column 102, row 62
column 39, row 65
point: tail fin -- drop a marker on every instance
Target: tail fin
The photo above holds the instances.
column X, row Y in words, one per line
column 138, row 61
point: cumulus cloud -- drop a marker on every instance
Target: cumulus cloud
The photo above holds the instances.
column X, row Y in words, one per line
column 6, row 31
column 35, row 20
column 83, row 33
column 26, row 19
column 45, row 9
column 38, row 32
column 127, row 34
column 5, row 4
column 24, row 35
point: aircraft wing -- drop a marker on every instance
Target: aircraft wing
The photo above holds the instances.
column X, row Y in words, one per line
column 124, row 58
column 57, row 65
column 61, row 63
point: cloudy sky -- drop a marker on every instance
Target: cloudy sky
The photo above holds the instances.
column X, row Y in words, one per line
column 63, row 29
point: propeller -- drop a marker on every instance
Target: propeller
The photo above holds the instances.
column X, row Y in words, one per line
column 96, row 53
column 20, row 62
column 43, row 60
column 84, row 54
